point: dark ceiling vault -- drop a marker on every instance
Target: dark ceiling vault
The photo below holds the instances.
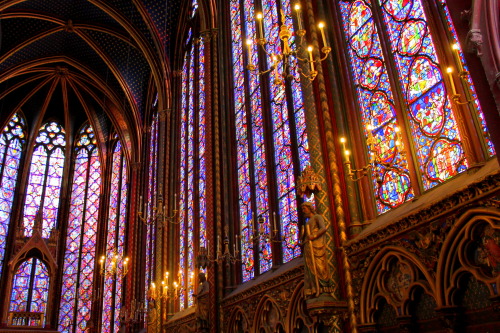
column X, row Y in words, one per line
column 84, row 57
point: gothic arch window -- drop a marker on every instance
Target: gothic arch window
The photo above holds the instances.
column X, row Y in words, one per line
column 151, row 203
column 272, row 144
column 192, row 193
column 12, row 141
column 81, row 240
column 412, row 127
column 115, row 242
column 30, row 289
column 45, row 177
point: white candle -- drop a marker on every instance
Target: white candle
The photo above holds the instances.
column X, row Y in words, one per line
column 311, row 61
column 456, row 48
column 274, row 221
column 321, row 26
column 299, row 16
column 449, row 70
column 249, row 45
column 259, row 23
column 346, row 152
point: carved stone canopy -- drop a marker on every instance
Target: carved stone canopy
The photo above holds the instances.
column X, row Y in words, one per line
column 308, row 182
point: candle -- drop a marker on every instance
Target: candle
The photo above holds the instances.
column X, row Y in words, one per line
column 346, row 152
column 259, row 23
column 311, row 61
column 249, row 45
column 321, row 27
column 456, row 48
column 299, row 16
column 236, row 243
column 218, row 243
column 175, row 201
column 274, row 222
column 398, row 136
column 140, row 203
column 449, row 70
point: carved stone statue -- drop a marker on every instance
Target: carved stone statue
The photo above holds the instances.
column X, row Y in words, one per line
column 152, row 316
column 202, row 305
column 316, row 276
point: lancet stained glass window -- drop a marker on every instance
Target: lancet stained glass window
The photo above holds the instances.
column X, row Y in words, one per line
column 288, row 138
column 192, row 199
column 44, row 182
column 115, row 243
column 79, row 260
column 12, row 141
column 433, row 131
column 30, row 289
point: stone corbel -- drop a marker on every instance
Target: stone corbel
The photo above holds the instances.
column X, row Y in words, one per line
column 475, row 42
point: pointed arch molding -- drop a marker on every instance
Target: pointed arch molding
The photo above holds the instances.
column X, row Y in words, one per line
column 268, row 315
column 433, row 254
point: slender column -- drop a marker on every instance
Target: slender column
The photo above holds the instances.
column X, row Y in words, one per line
column 216, row 292
column 133, row 250
column 329, row 162
column 160, row 238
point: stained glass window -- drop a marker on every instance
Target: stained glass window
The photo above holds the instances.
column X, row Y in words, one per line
column 192, row 199
column 259, row 170
column 433, row 131
column 79, row 259
column 30, row 289
column 44, row 182
column 12, row 140
column 194, row 7
column 115, row 243
column 151, row 203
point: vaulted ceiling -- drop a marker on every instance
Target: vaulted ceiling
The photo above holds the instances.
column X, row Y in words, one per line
column 86, row 59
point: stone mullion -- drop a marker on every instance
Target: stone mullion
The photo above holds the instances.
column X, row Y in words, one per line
column 322, row 165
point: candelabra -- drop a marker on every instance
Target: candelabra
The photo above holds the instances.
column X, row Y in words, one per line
column 462, row 74
column 135, row 314
column 286, row 55
column 159, row 212
column 260, row 230
column 222, row 255
column 358, row 174
column 113, row 267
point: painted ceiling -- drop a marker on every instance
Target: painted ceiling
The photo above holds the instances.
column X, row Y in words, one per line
column 84, row 57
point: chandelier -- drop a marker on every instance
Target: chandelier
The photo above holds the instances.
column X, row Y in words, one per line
column 283, row 60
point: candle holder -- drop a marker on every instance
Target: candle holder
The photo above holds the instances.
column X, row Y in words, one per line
column 463, row 75
column 113, row 268
column 286, row 55
column 357, row 174
column 159, row 213
column 260, row 233
column 165, row 292
column 204, row 257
